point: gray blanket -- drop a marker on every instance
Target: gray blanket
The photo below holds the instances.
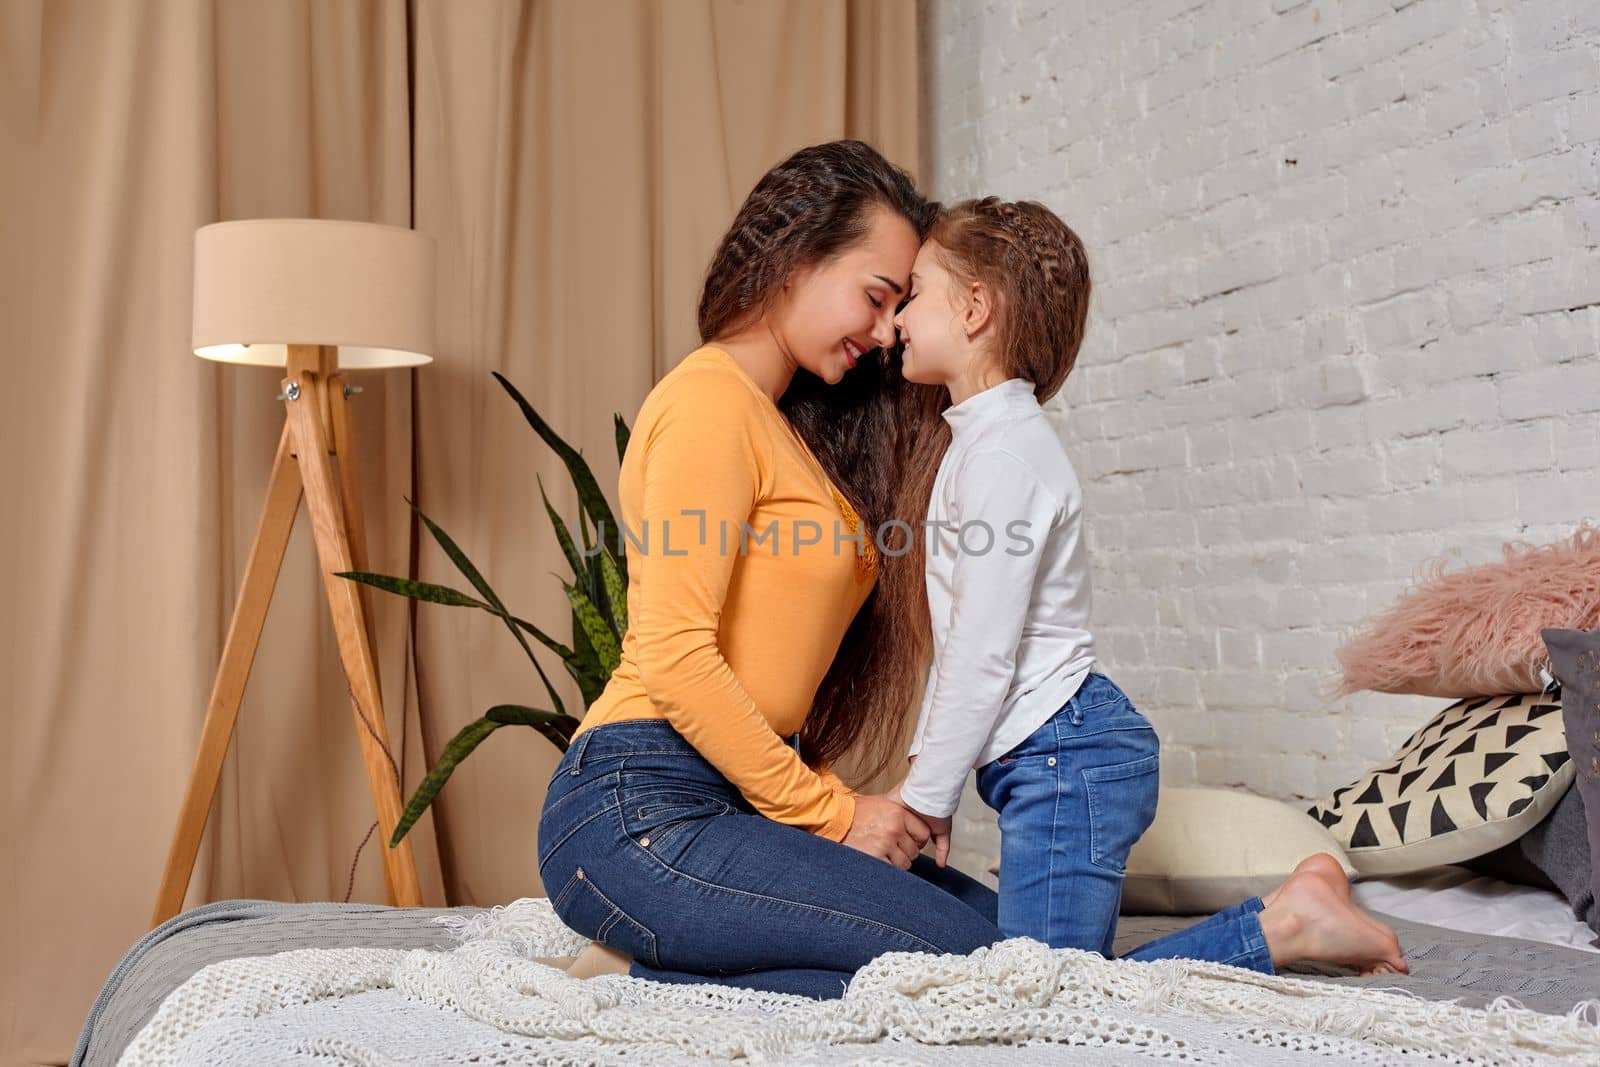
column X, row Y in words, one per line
column 1445, row 964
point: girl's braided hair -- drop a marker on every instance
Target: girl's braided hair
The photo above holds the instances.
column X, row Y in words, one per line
column 1037, row 270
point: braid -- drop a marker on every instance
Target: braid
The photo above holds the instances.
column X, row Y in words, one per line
column 1039, row 272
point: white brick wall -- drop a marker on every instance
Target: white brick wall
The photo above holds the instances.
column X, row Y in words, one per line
column 1346, row 318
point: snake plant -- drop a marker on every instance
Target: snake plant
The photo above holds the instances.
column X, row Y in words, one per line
column 598, row 596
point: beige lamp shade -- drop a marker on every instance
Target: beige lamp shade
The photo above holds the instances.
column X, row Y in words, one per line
column 263, row 284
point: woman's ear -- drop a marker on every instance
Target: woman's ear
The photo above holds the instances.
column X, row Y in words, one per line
column 979, row 309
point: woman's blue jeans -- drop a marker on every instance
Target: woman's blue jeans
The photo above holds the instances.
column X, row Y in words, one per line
column 647, row 848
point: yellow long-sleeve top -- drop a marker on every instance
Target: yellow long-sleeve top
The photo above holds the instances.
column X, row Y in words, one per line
column 742, row 578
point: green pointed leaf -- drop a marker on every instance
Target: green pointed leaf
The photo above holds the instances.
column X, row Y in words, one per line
column 583, row 667
column 589, row 685
column 406, row 587
column 563, row 534
column 590, row 497
column 557, row 728
column 598, row 631
column 544, row 639
column 593, row 587
column 582, row 649
column 623, row 434
column 465, row 566
column 616, row 594
column 459, row 748
column 586, row 662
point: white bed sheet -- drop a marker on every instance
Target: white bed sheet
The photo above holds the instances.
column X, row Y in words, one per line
column 1460, row 899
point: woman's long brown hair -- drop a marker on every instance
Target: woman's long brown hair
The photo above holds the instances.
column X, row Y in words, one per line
column 865, row 431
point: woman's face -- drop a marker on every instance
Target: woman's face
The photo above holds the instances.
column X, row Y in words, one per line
column 837, row 311
column 936, row 347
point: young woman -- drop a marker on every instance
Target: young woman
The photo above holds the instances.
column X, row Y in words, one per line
column 694, row 825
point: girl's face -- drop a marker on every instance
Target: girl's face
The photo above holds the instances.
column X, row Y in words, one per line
column 937, row 350
column 837, row 311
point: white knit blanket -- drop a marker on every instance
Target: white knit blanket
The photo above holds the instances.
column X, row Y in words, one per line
column 488, row 1002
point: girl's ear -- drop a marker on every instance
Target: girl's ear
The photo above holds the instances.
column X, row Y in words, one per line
column 979, row 309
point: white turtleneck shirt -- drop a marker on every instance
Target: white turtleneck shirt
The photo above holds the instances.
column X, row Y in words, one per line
column 1008, row 591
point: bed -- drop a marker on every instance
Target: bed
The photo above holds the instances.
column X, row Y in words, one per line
column 1489, row 940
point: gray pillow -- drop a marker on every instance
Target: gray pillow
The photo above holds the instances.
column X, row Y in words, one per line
column 1552, row 855
column 1575, row 662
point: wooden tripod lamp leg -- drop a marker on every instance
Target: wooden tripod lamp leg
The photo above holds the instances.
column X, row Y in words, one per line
column 343, row 447
column 308, row 400
column 238, row 653
column 355, row 524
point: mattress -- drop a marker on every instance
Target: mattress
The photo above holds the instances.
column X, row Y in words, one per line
column 1472, row 968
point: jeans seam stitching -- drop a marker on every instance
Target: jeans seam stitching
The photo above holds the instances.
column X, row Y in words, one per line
column 1050, row 868
column 796, row 903
column 568, row 836
column 617, row 915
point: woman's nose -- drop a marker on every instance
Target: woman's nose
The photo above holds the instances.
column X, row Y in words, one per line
column 885, row 331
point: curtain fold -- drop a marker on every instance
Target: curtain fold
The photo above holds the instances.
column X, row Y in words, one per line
column 576, row 163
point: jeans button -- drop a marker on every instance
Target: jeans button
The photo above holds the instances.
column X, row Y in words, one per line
column 1051, row 761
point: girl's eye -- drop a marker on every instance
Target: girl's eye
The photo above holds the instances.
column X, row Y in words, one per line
column 874, row 301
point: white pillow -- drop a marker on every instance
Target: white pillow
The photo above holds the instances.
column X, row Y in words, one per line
column 1208, row 849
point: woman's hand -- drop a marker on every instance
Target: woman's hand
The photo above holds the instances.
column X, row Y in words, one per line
column 884, row 828
column 938, row 828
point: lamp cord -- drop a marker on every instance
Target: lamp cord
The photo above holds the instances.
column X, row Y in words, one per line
column 361, row 713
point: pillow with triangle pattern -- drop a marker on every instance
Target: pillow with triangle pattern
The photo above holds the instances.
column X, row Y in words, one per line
column 1477, row 776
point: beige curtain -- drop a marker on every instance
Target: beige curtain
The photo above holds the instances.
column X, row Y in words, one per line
column 576, row 162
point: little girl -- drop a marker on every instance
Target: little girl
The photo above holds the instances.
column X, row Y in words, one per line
column 999, row 296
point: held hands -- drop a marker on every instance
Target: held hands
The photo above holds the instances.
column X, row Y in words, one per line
column 938, row 827
column 885, row 828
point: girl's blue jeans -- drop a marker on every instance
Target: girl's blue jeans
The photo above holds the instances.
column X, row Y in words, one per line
column 647, row 848
column 1073, row 797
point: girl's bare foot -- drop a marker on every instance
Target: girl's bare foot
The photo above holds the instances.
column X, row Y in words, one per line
column 1311, row 917
column 1325, row 866
column 1331, row 871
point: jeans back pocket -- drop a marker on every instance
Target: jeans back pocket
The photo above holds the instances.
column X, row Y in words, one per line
column 656, row 813
column 1122, row 805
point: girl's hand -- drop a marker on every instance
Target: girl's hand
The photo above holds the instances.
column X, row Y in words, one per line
column 886, row 829
column 938, row 828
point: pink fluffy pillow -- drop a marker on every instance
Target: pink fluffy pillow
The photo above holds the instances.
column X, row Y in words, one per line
column 1476, row 632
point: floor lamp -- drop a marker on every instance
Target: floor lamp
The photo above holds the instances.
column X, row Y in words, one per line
column 317, row 297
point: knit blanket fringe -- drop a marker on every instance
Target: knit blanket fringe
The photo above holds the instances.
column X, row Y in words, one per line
column 488, row 1000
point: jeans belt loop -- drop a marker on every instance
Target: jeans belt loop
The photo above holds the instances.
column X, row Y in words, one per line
column 578, row 746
